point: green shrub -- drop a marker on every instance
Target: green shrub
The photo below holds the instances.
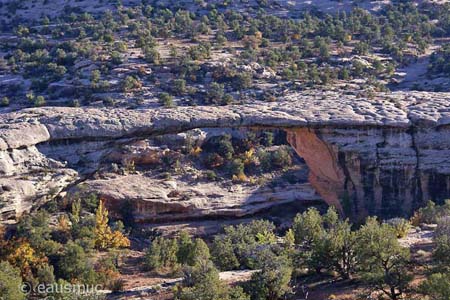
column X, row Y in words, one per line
column 222, row 145
column 179, row 86
column 238, row 244
column 202, row 282
column 383, row 261
column 437, row 286
column 73, row 264
column 152, row 55
column 215, row 93
column 166, row 99
column 39, row 101
column 272, row 282
column 131, row 83
column 210, row 175
column 265, row 159
column 10, row 282
column 401, row 226
column 116, row 58
column 281, row 157
column 236, row 167
column 431, row 213
column 442, row 241
column 4, row 101
column 162, row 254
column 243, row 81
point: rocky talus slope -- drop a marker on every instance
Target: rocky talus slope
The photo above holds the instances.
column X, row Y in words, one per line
column 385, row 155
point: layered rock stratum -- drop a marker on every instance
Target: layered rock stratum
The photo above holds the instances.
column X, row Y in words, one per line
column 384, row 155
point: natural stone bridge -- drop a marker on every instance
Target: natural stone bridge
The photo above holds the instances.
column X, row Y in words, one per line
column 386, row 155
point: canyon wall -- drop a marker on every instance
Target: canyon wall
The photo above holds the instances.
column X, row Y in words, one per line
column 386, row 155
column 376, row 171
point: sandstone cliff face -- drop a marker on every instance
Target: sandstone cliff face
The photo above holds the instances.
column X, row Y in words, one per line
column 385, row 155
column 383, row 170
column 387, row 172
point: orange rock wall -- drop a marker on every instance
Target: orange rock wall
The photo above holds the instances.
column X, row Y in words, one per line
column 325, row 174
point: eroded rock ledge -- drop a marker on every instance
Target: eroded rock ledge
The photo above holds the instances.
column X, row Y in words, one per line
column 385, row 155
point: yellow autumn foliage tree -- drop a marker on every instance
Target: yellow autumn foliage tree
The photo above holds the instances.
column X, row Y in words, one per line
column 249, row 156
column 241, row 177
column 105, row 238
column 24, row 257
column 196, row 151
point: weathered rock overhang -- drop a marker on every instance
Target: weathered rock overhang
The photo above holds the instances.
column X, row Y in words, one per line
column 386, row 155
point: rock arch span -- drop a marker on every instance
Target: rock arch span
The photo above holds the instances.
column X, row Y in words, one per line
column 385, row 156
